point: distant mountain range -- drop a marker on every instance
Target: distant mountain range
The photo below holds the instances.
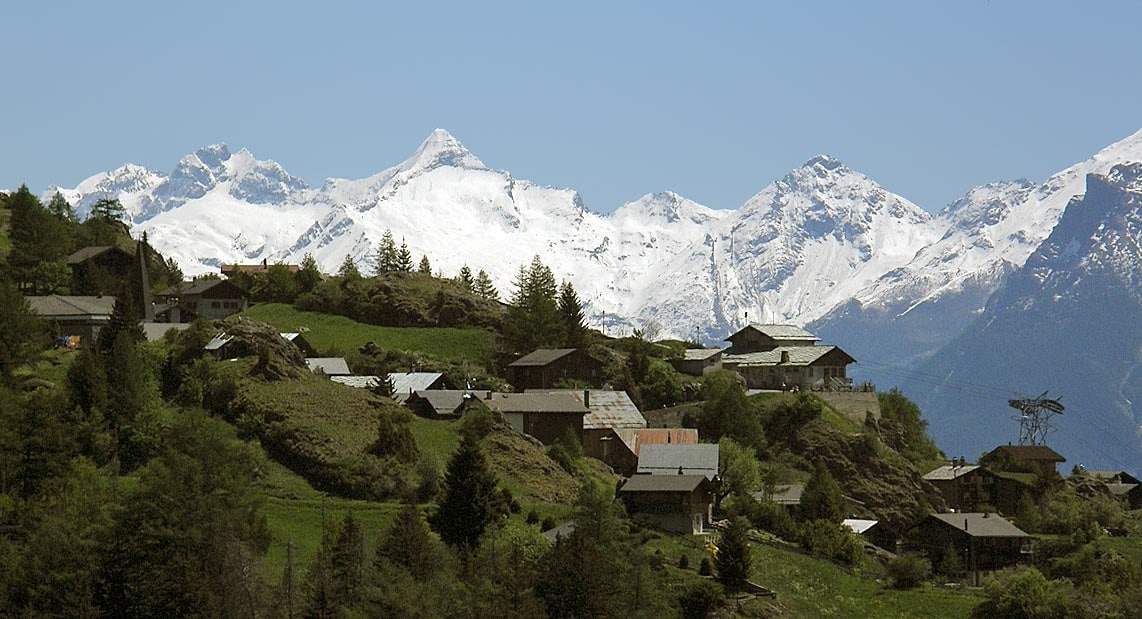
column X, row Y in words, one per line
column 823, row 247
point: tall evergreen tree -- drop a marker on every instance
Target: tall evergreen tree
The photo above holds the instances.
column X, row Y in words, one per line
column 106, row 223
column 425, row 266
column 471, row 503
column 410, row 546
column 38, row 239
column 61, row 208
column 466, row 277
column 822, row 498
column 483, row 287
column 386, row 258
column 404, row 258
column 348, row 269
column 733, row 562
column 533, row 319
column 308, row 274
column 571, row 315
column 22, row 334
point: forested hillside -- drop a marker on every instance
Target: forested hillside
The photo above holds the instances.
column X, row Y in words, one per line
column 148, row 478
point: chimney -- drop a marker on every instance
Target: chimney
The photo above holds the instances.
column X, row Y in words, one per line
column 587, row 399
column 965, row 524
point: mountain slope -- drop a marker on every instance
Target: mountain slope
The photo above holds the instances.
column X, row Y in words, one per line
column 989, row 233
column 1070, row 321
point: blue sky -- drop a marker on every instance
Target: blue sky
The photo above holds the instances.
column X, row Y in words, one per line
column 613, row 99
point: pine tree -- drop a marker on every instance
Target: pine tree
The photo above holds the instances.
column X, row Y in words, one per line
column 425, row 266
column 348, row 269
column 404, row 258
column 533, row 319
column 22, row 334
column 347, row 563
column 38, row 238
column 61, row 208
column 386, row 256
column 733, row 562
column 483, row 287
column 822, row 498
column 571, row 315
column 308, row 274
column 466, row 277
column 410, row 546
column 471, row 503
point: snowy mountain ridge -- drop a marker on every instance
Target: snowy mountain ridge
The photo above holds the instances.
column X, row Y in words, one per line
column 822, row 238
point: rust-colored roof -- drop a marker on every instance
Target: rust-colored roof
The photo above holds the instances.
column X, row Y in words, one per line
column 634, row 439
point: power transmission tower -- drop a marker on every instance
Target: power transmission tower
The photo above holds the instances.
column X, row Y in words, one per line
column 1035, row 418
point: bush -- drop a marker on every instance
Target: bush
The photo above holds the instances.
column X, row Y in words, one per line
column 683, row 562
column 908, row 571
column 706, row 567
column 533, row 517
column 699, row 599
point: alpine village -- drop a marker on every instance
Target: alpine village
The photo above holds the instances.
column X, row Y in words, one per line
column 392, row 441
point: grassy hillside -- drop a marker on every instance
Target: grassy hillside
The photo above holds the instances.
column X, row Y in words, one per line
column 338, row 335
column 809, row 586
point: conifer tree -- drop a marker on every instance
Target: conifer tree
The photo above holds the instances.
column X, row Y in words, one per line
column 348, row 269
column 347, row 563
column 410, row 546
column 308, row 274
column 22, row 334
column 733, row 562
column 425, row 266
column 533, row 319
column 483, row 286
column 404, row 258
column 471, row 503
column 822, row 498
column 386, row 256
column 61, row 208
column 571, row 315
column 466, row 277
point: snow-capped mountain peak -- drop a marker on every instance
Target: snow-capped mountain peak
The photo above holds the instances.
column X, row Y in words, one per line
column 441, row 149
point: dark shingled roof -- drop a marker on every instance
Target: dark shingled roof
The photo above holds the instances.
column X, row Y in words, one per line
column 1031, row 452
column 197, row 286
column 981, row 524
column 664, row 483
column 60, row 305
column 782, row 332
column 541, row 357
column 535, row 403
column 88, row 253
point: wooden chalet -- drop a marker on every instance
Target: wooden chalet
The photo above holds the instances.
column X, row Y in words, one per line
column 698, row 459
column 608, row 411
column 544, row 416
column 698, row 361
column 1023, row 459
column 544, row 368
column 100, row 270
column 623, row 446
column 446, row 404
column 786, row 357
column 985, row 542
column 74, row 320
column 680, row 503
column 202, row 298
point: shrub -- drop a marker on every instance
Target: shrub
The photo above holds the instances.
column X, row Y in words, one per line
column 699, row 599
column 533, row 517
column 705, row 568
column 683, row 562
column 908, row 571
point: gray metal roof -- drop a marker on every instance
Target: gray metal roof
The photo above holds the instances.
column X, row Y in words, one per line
column 405, row 383
column 218, row 341
column 331, row 366
column 782, row 332
column 62, row 306
column 699, row 459
column 541, row 357
column 156, row 330
column 857, row 525
column 445, row 401
column 798, row 355
column 700, row 354
column 609, row 409
column 949, row 472
column 981, row 524
column 663, row 483
column 535, row 403
column 784, row 495
column 361, row 382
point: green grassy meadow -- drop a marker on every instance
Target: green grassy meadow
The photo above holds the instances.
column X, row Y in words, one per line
column 336, row 334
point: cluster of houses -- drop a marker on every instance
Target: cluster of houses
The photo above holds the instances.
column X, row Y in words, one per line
column 670, row 477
